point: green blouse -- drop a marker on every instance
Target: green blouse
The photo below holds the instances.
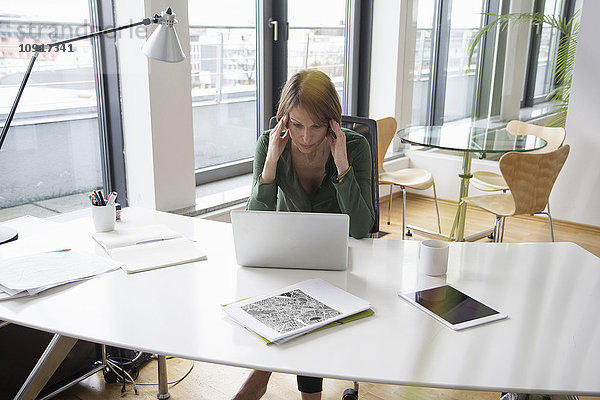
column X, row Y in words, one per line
column 351, row 195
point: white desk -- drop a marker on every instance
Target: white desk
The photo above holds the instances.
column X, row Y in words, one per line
column 550, row 343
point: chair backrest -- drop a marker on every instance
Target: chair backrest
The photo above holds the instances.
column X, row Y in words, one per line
column 386, row 129
column 368, row 128
column 531, row 177
column 554, row 136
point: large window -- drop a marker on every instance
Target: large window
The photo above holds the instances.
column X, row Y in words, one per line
column 465, row 21
column 544, row 43
column 53, row 146
column 446, row 89
column 226, row 79
column 443, row 90
column 422, row 72
column 318, row 40
column 223, row 62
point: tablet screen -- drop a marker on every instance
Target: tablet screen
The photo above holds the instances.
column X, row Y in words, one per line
column 450, row 304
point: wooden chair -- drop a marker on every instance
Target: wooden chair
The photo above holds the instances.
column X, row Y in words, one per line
column 530, row 178
column 414, row 178
column 491, row 181
column 554, row 137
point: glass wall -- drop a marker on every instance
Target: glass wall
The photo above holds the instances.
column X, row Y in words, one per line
column 544, row 77
column 445, row 88
column 465, row 21
column 52, row 148
column 223, row 63
column 318, row 39
column 422, row 72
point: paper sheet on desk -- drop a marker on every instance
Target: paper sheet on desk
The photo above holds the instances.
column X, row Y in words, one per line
column 148, row 247
column 163, row 253
column 135, row 236
column 37, row 272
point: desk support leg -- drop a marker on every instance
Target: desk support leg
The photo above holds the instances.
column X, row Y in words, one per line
column 464, row 192
column 53, row 356
column 163, row 382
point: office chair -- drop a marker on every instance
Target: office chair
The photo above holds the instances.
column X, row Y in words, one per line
column 530, row 178
column 414, row 178
column 368, row 128
column 491, row 181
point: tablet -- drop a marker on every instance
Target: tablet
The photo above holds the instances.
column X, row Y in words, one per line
column 452, row 307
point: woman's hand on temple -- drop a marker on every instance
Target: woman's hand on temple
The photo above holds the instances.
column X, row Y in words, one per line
column 338, row 147
column 277, row 141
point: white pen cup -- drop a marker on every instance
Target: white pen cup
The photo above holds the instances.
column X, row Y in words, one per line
column 104, row 217
column 433, row 257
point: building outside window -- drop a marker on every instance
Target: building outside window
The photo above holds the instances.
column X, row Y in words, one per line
column 318, row 40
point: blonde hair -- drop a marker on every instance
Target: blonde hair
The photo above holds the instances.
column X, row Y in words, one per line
column 313, row 91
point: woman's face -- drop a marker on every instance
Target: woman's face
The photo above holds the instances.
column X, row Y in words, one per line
column 306, row 135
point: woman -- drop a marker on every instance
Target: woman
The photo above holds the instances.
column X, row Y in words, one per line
column 308, row 163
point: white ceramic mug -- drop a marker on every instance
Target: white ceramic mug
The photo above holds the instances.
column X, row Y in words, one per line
column 103, row 217
column 433, row 257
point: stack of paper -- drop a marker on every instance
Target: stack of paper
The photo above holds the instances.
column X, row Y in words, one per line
column 31, row 274
column 148, row 247
column 296, row 310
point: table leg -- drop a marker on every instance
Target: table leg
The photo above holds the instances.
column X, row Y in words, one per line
column 163, row 385
column 461, row 212
column 53, row 356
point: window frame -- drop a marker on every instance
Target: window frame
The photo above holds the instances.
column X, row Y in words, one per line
column 529, row 98
column 110, row 127
column 439, row 60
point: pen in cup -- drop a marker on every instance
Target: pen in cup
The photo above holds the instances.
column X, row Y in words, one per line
column 102, row 202
column 112, row 197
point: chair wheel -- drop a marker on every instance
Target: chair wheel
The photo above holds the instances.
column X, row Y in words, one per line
column 350, row 394
column 109, row 375
column 408, row 233
column 491, row 236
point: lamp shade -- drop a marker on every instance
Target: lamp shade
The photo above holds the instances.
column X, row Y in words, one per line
column 164, row 44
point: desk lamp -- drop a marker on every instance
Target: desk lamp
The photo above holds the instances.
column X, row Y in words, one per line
column 162, row 45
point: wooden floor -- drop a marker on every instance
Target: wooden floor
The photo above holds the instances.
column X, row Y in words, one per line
column 217, row 382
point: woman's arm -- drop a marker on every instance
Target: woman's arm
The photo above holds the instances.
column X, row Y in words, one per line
column 263, row 196
column 353, row 190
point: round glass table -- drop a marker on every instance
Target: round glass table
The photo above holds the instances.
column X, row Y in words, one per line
column 468, row 140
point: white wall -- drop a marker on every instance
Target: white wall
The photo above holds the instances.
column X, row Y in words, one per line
column 157, row 112
column 576, row 194
column 384, row 53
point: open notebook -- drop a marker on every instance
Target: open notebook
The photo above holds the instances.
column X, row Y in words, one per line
column 148, row 247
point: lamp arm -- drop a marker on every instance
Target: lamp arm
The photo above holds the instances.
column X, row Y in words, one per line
column 145, row 21
column 11, row 113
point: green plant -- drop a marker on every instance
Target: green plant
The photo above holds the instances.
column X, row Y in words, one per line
column 565, row 54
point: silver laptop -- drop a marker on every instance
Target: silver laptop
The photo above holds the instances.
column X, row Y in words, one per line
column 291, row 239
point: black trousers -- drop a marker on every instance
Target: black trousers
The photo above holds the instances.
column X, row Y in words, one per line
column 309, row 384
